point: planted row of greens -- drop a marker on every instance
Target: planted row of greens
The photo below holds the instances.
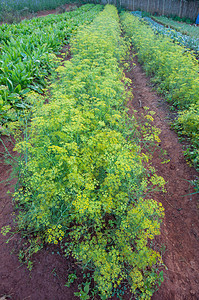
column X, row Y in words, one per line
column 27, row 49
column 181, row 38
column 50, row 22
column 82, row 177
column 176, row 73
column 179, row 26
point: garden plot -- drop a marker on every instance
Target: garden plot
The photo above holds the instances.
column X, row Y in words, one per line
column 86, row 182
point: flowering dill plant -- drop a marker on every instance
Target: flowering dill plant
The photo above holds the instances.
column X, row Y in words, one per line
column 84, row 178
column 175, row 71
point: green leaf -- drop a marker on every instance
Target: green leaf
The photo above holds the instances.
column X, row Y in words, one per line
column 1, row 100
column 86, row 288
column 18, row 88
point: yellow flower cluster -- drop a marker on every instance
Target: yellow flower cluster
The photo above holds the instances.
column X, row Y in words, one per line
column 54, row 234
column 175, row 71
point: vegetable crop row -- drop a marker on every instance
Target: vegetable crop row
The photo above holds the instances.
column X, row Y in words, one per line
column 27, row 49
column 181, row 38
column 184, row 28
column 81, row 180
column 26, row 27
column 176, row 73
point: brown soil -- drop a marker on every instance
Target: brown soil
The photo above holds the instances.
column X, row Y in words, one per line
column 65, row 7
column 49, row 274
column 179, row 237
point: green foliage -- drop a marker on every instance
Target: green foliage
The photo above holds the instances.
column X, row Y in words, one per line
column 184, row 19
column 31, row 246
column 9, row 16
column 71, row 278
column 27, row 54
column 195, row 184
column 188, row 123
column 175, row 71
column 83, row 294
column 182, row 27
column 82, row 173
column 5, row 230
column 34, row 6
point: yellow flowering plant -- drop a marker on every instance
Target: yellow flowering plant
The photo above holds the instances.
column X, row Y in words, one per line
column 83, row 176
column 174, row 71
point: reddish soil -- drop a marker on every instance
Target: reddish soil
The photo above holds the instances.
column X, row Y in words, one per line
column 65, row 7
column 179, row 237
column 49, row 274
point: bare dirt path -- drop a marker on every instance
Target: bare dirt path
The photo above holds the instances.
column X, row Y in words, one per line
column 180, row 230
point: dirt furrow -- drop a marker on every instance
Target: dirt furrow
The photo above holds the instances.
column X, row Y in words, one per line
column 179, row 240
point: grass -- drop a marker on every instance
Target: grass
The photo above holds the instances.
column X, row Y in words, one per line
column 184, row 28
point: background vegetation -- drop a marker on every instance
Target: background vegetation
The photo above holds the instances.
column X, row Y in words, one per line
column 175, row 71
column 27, row 55
column 182, row 27
column 32, row 6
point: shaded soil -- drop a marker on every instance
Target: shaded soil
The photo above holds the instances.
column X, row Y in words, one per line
column 178, row 242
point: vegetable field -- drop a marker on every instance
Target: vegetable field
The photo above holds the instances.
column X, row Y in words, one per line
column 176, row 73
column 27, row 54
column 184, row 28
column 189, row 39
column 99, row 203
